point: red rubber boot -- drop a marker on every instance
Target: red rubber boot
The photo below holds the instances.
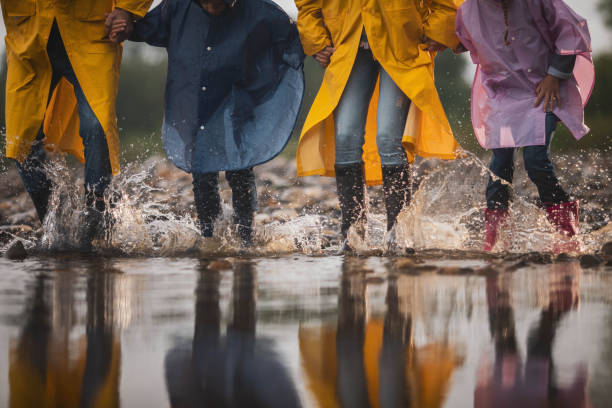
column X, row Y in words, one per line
column 494, row 220
column 564, row 217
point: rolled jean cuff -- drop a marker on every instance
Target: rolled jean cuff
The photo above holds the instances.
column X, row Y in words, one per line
column 393, row 159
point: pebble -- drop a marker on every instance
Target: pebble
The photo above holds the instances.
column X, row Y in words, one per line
column 16, row 251
column 590, row 261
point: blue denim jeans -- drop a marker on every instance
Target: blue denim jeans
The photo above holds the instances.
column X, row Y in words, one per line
column 352, row 111
column 539, row 169
column 98, row 172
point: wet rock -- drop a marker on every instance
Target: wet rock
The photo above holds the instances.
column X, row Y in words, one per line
column 455, row 271
column 486, row 271
column 590, row 261
column 538, row 258
column 375, row 280
column 16, row 251
column 563, row 257
column 220, row 265
column 606, row 250
column 404, row 263
column 516, row 266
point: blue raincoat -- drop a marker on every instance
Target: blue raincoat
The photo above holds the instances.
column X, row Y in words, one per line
column 235, row 82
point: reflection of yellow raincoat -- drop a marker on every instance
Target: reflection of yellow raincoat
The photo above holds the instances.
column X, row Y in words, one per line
column 96, row 62
column 428, row 369
column 394, row 29
column 61, row 383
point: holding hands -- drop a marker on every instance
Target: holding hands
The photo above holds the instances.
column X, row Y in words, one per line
column 324, row 56
column 119, row 25
column 432, row 45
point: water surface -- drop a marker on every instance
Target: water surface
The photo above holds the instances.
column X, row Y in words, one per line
column 303, row 331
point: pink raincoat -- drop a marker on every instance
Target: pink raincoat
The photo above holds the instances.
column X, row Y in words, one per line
column 504, row 90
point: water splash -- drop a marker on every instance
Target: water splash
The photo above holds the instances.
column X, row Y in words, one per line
column 150, row 213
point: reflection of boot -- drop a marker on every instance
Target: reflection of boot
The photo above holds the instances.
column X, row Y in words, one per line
column 350, row 181
column 494, row 220
column 564, row 217
column 396, row 188
column 41, row 202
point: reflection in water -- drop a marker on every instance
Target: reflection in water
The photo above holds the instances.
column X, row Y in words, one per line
column 510, row 382
column 316, row 332
column 235, row 370
column 48, row 368
column 367, row 361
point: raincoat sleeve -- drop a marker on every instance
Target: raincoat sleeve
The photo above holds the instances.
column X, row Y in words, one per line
column 465, row 41
column 313, row 33
column 568, row 30
column 154, row 28
column 440, row 22
column 286, row 40
column 137, row 7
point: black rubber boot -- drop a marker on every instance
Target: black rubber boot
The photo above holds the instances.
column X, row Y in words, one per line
column 244, row 201
column 93, row 219
column 41, row 202
column 396, row 188
column 207, row 201
column 350, row 183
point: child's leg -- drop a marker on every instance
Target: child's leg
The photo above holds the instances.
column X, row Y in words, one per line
column 502, row 165
column 244, row 200
column 393, row 108
column 541, row 170
column 498, row 194
column 562, row 213
column 207, row 200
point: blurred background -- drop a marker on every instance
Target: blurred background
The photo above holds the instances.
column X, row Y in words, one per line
column 141, row 90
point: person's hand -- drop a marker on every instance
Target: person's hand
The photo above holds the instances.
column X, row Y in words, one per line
column 119, row 25
column 548, row 93
column 323, row 57
column 432, row 45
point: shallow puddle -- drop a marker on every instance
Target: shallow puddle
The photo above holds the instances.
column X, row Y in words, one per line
column 303, row 331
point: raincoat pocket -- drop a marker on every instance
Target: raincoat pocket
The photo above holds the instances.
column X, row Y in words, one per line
column 92, row 10
column 404, row 29
column 19, row 8
column 96, row 39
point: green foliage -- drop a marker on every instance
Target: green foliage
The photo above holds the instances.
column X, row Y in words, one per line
column 605, row 7
column 455, row 93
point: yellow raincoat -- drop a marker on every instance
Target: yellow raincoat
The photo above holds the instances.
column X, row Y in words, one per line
column 96, row 62
column 394, row 29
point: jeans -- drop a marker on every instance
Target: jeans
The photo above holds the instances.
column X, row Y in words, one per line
column 98, row 172
column 539, row 168
column 208, row 201
column 352, row 111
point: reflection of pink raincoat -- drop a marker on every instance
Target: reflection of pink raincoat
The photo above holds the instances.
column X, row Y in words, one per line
column 504, row 89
